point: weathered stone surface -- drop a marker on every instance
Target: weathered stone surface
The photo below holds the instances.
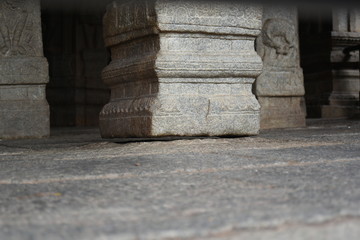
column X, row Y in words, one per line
column 24, row 110
column 181, row 68
column 282, row 77
column 20, row 28
column 24, row 118
column 276, row 115
column 340, row 20
column 23, row 70
column 355, row 20
column 282, row 184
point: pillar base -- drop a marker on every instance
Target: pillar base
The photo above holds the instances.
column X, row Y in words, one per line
column 24, row 119
column 282, row 112
column 193, row 110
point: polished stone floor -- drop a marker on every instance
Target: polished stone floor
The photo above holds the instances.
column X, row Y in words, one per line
column 282, row 184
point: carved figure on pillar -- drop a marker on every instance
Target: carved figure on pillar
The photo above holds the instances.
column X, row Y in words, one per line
column 278, row 37
column 280, row 87
column 15, row 37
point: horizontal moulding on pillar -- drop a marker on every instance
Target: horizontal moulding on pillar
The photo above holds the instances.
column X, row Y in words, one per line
column 181, row 68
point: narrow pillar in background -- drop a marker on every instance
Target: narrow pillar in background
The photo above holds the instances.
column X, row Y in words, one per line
column 344, row 98
column 280, row 87
column 181, row 68
column 24, row 111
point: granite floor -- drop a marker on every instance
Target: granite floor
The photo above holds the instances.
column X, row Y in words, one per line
column 282, row 184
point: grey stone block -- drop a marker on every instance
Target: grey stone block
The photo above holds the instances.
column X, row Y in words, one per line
column 24, row 119
column 282, row 112
column 181, row 68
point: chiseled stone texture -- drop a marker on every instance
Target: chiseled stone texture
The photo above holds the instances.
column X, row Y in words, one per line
column 279, row 185
column 280, row 87
column 181, row 68
column 276, row 115
column 24, row 111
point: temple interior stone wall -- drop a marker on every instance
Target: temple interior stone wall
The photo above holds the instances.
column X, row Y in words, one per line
column 344, row 98
column 315, row 48
column 74, row 47
column 331, row 77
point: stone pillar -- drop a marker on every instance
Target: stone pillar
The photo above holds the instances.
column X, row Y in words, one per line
column 344, row 97
column 24, row 111
column 354, row 20
column 280, row 87
column 181, row 68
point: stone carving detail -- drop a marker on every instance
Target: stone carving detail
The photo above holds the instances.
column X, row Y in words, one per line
column 209, row 13
column 17, row 35
column 278, row 47
column 278, row 36
column 181, row 68
column 129, row 19
column 146, row 17
column 280, row 87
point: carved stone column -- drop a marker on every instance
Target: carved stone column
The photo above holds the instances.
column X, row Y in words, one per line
column 280, row 87
column 344, row 98
column 181, row 68
column 24, row 111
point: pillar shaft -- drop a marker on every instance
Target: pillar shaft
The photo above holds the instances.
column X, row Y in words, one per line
column 280, row 87
column 24, row 111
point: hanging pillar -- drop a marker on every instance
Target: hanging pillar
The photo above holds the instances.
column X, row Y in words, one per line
column 344, row 97
column 181, row 68
column 24, row 111
column 280, row 87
